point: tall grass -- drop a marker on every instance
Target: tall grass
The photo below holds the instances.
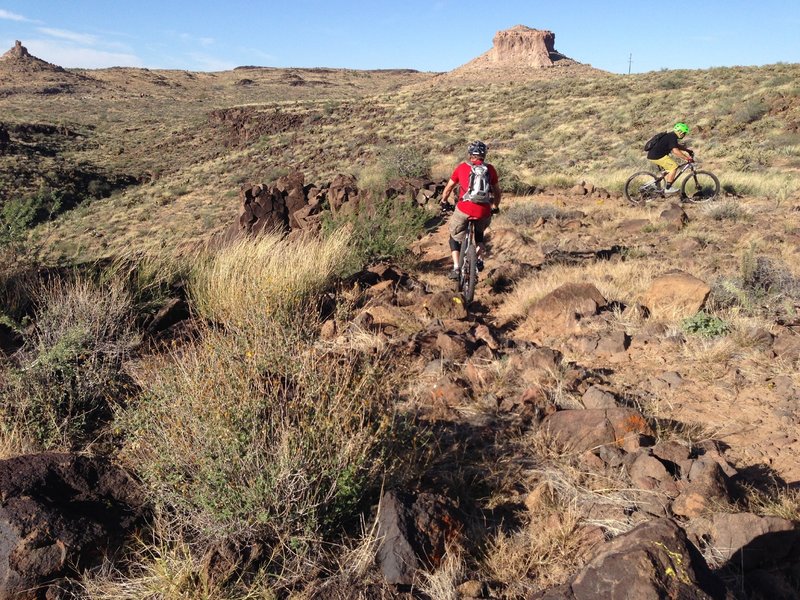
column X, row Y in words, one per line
column 256, row 281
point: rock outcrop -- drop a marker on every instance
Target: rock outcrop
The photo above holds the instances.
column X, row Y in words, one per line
column 18, row 58
column 521, row 52
column 523, row 46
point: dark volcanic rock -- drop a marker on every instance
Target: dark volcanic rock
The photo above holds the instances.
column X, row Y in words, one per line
column 59, row 513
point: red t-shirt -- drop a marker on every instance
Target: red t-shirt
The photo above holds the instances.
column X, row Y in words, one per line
column 477, row 210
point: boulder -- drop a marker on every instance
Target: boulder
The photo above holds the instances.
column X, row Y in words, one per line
column 444, row 305
column 415, row 530
column 597, row 397
column 582, row 430
column 675, row 217
column 342, row 190
column 565, row 306
column 786, row 345
column 676, row 295
column 59, row 514
column 748, row 541
column 654, row 560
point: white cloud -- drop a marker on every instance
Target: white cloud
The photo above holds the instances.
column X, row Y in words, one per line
column 4, row 14
column 66, row 55
column 188, row 38
column 79, row 38
column 210, row 63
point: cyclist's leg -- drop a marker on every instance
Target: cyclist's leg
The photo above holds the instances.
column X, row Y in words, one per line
column 480, row 228
column 457, row 226
column 670, row 166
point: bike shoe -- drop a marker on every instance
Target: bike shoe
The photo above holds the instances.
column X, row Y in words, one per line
column 479, row 264
column 454, row 274
column 671, row 191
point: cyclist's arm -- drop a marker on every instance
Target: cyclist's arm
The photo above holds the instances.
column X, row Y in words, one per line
column 681, row 152
column 496, row 195
column 447, row 191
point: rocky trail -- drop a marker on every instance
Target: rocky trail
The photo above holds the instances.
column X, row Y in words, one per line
column 755, row 417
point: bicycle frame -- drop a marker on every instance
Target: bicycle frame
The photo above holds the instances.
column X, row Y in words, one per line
column 687, row 166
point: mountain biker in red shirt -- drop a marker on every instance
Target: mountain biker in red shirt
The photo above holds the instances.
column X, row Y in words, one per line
column 662, row 151
column 466, row 209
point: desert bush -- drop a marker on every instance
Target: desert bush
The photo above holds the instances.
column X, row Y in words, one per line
column 750, row 111
column 382, row 229
column 149, row 278
column 258, row 280
column 528, row 213
column 705, row 325
column 763, row 285
column 70, row 370
column 265, row 436
column 406, row 161
column 726, row 211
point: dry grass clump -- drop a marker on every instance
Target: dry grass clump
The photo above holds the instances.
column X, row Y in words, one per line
column 69, row 374
column 255, row 281
column 442, row 583
column 778, row 501
column 542, row 553
column 165, row 567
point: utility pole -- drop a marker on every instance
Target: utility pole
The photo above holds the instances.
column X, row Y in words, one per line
column 630, row 60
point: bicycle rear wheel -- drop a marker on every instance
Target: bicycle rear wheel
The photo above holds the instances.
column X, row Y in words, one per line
column 700, row 186
column 643, row 186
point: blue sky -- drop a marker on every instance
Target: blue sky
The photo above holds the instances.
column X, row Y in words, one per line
column 438, row 35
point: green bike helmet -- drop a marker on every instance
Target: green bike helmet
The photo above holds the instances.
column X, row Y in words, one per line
column 681, row 128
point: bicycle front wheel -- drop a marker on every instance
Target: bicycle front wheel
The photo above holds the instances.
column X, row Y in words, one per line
column 469, row 273
column 700, row 186
column 643, row 186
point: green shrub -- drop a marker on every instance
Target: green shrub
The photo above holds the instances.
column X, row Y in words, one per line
column 382, row 229
column 705, row 325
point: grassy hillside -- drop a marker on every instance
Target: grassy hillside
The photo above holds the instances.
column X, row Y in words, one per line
column 192, row 139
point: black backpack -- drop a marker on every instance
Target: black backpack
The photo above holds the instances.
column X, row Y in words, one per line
column 653, row 141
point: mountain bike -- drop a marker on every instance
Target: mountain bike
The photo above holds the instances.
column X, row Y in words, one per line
column 697, row 185
column 468, row 263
